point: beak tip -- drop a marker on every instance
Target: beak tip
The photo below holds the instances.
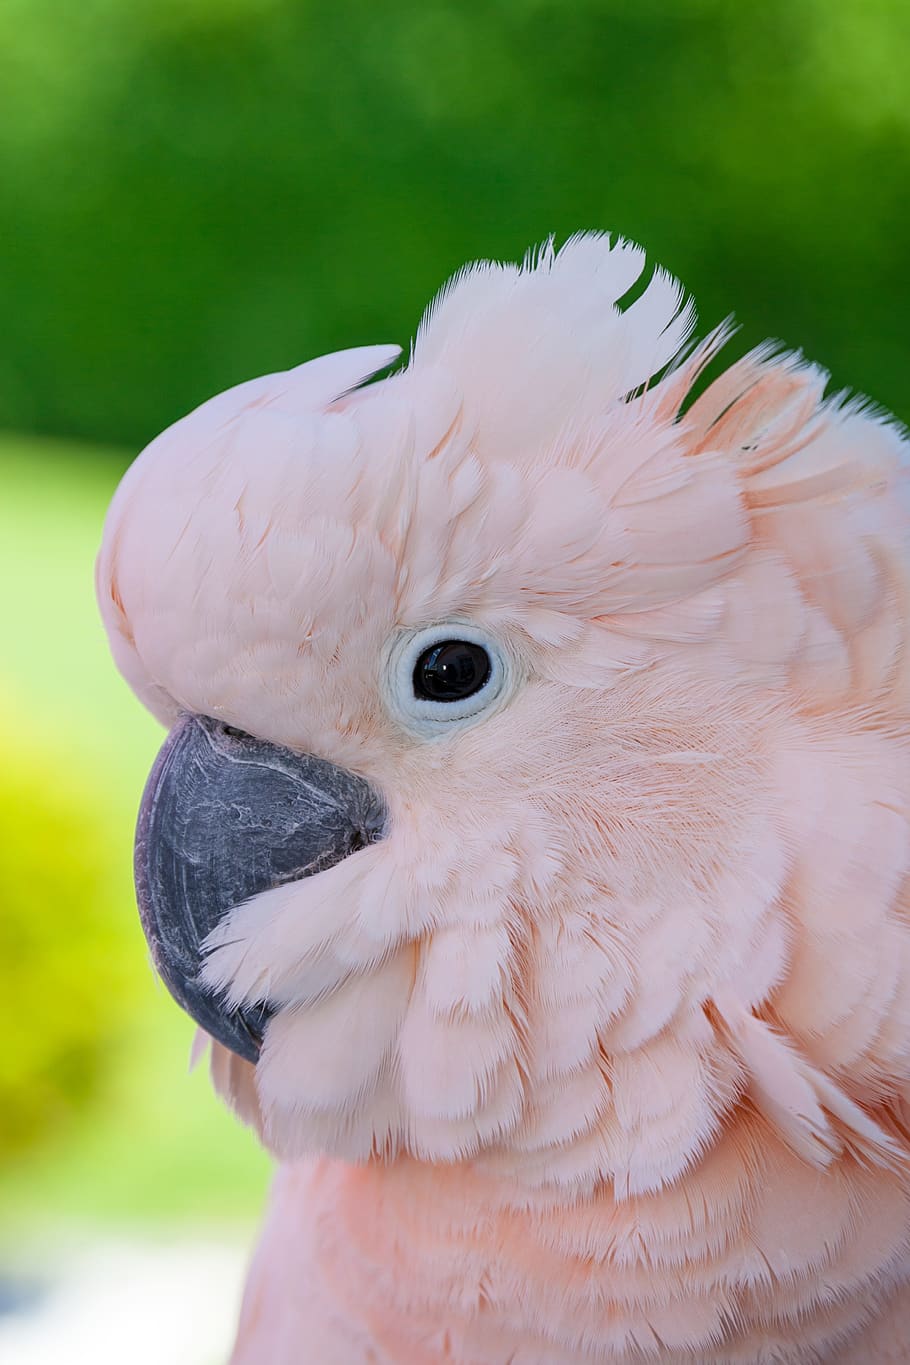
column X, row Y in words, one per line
column 241, row 1028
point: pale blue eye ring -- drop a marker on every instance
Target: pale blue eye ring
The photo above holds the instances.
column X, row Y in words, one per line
column 428, row 715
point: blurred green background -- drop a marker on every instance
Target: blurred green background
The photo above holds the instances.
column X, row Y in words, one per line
column 196, row 191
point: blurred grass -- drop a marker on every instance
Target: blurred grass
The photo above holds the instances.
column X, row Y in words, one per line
column 156, row 1145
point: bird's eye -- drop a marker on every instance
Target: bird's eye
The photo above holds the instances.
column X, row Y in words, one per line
column 443, row 674
column 451, row 671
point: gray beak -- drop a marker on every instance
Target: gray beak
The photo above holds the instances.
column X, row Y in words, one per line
column 223, row 817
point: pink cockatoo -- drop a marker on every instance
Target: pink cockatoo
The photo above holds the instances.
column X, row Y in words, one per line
column 532, row 836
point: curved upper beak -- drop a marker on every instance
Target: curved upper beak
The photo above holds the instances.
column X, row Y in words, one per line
column 224, row 816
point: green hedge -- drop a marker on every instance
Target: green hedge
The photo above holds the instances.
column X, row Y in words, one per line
column 194, row 191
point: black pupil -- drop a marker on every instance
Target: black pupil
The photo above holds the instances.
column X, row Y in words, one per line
column 451, row 671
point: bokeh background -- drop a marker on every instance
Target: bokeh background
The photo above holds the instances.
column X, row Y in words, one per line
column 193, row 192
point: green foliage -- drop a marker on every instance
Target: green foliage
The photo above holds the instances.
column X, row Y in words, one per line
column 63, row 955
column 195, row 191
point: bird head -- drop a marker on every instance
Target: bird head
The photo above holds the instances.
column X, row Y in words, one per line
column 508, row 809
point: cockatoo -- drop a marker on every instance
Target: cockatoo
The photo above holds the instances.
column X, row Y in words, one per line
column 532, row 834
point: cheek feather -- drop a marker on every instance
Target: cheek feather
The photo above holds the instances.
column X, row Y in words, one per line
column 436, row 1077
column 336, row 1053
column 464, row 973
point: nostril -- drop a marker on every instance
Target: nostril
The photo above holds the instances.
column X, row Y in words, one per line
column 234, row 732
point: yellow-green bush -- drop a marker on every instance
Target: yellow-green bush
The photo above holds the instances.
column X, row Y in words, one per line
column 65, row 950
